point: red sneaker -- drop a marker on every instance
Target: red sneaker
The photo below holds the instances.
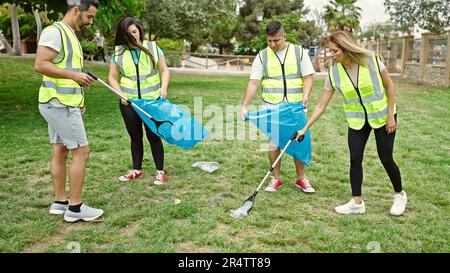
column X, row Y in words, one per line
column 303, row 184
column 273, row 185
column 133, row 174
column 160, row 178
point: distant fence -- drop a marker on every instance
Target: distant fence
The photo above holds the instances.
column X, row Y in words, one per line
column 423, row 61
column 209, row 61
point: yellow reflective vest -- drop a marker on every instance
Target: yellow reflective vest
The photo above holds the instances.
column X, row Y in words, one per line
column 282, row 80
column 142, row 80
column 366, row 100
column 67, row 91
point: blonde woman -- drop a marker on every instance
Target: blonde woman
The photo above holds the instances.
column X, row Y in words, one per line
column 369, row 94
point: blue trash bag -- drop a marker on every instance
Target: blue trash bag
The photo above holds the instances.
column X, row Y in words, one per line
column 279, row 123
column 170, row 122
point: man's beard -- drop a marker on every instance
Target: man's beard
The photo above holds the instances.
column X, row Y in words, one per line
column 81, row 26
column 84, row 27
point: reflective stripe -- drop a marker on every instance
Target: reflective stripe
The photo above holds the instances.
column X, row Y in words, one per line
column 378, row 93
column 61, row 90
column 288, row 77
column 281, row 90
column 373, row 75
column 297, row 55
column 380, row 114
column 141, row 77
column 364, row 100
column 143, row 91
column 264, row 62
column 69, row 47
column 150, row 47
column 120, row 63
column 337, row 85
column 134, row 78
column 336, row 78
column 69, row 65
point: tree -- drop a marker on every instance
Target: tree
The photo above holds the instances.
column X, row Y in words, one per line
column 297, row 31
column 224, row 27
column 431, row 15
column 110, row 12
column 194, row 21
column 249, row 26
column 27, row 5
column 377, row 30
column 342, row 15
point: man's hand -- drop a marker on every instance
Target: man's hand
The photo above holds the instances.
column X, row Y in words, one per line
column 83, row 110
column 83, row 79
column 124, row 102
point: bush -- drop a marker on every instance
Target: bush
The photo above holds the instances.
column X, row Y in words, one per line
column 170, row 45
column 88, row 47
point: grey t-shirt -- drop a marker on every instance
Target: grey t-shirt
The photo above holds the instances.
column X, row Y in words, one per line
column 352, row 72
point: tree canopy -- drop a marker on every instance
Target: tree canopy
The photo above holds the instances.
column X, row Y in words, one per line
column 342, row 15
column 249, row 26
column 432, row 15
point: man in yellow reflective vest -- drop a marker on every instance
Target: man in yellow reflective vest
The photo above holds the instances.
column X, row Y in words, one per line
column 285, row 72
column 59, row 58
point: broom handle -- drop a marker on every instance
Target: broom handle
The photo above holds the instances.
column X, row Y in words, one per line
column 119, row 94
column 278, row 159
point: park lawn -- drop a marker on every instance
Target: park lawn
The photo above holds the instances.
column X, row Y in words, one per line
column 141, row 217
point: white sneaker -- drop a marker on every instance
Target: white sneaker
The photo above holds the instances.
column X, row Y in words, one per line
column 86, row 214
column 351, row 207
column 399, row 205
column 58, row 209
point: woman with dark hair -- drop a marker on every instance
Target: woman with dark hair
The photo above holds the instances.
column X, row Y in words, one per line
column 363, row 80
column 138, row 69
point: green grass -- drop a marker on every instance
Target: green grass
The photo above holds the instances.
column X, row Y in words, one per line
column 140, row 217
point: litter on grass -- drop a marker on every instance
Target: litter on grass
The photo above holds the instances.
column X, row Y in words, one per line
column 206, row 166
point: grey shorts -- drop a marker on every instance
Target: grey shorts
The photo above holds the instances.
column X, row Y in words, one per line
column 65, row 125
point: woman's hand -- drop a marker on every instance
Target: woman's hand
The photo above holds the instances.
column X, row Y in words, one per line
column 163, row 93
column 300, row 133
column 244, row 112
column 305, row 102
column 391, row 124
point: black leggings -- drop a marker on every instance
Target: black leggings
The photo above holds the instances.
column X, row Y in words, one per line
column 357, row 140
column 134, row 127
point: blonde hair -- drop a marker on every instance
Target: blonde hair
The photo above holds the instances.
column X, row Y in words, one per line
column 344, row 40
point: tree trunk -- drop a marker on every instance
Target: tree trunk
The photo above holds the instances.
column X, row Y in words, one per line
column 38, row 24
column 15, row 30
column 221, row 49
column 6, row 43
column 193, row 47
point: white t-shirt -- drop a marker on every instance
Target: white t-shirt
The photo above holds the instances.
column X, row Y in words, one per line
column 352, row 72
column 51, row 37
column 305, row 64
